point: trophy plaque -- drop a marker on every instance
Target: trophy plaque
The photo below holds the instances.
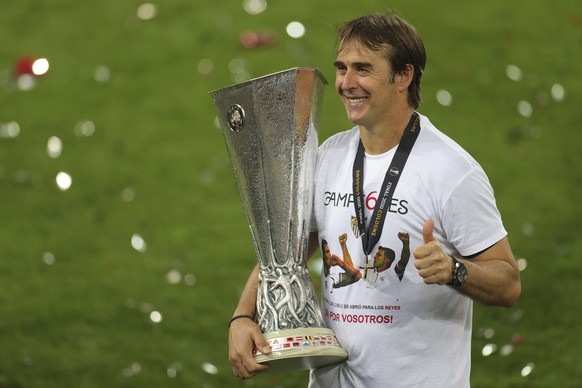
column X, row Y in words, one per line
column 270, row 129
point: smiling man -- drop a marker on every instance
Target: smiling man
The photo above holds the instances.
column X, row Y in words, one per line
column 412, row 326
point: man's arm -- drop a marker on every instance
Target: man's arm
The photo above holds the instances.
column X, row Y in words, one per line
column 313, row 244
column 493, row 275
column 244, row 335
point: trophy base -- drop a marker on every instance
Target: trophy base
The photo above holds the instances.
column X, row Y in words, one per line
column 301, row 349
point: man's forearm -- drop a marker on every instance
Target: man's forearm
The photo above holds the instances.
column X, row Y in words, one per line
column 493, row 276
column 312, row 245
column 247, row 303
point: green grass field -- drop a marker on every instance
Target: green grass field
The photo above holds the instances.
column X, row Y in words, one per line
column 80, row 306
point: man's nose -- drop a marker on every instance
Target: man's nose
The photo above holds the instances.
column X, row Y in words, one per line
column 349, row 80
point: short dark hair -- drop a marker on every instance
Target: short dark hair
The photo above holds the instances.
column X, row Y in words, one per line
column 388, row 253
column 323, row 244
column 396, row 37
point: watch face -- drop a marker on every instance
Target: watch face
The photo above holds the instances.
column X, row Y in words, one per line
column 461, row 274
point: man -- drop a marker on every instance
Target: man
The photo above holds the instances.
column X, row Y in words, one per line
column 404, row 257
column 350, row 274
column 431, row 194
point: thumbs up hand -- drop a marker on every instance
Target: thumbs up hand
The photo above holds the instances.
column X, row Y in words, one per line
column 433, row 264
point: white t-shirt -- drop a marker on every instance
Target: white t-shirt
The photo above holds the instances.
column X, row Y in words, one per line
column 398, row 331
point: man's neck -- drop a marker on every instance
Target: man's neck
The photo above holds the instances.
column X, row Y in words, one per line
column 383, row 138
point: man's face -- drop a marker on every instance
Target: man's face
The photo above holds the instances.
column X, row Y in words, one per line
column 379, row 259
column 363, row 83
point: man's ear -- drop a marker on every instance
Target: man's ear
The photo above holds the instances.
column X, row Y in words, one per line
column 404, row 78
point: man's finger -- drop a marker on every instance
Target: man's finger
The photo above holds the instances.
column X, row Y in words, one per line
column 428, row 231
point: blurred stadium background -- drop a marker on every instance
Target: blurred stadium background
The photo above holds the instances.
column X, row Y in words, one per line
column 123, row 243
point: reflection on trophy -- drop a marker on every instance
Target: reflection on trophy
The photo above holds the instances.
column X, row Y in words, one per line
column 270, row 128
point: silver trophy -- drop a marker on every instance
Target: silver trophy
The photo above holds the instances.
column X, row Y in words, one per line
column 270, row 128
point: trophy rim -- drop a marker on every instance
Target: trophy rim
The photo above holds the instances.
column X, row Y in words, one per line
column 302, row 360
column 316, row 70
column 301, row 357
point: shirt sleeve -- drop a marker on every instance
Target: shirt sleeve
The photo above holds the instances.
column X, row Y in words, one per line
column 472, row 221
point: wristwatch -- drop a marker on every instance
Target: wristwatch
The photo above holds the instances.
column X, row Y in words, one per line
column 459, row 273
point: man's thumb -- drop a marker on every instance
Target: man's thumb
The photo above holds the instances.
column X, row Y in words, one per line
column 261, row 344
column 427, row 231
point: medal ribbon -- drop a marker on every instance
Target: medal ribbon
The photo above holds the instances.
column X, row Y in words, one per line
column 371, row 234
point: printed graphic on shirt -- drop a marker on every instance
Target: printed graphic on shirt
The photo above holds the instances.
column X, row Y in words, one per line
column 372, row 269
column 361, row 313
column 346, row 200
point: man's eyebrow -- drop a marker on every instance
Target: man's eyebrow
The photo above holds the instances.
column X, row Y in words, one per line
column 362, row 64
column 365, row 65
